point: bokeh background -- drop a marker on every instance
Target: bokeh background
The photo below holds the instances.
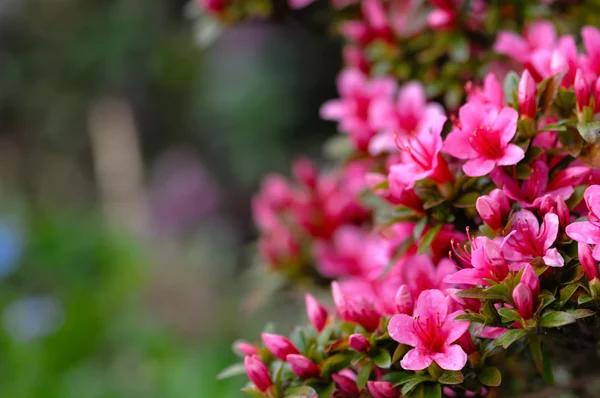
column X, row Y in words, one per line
column 133, row 134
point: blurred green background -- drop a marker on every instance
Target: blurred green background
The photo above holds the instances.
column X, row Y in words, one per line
column 133, row 134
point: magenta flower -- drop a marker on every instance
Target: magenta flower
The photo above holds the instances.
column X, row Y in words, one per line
column 589, row 231
column 303, row 366
column 431, row 331
column 491, row 95
column 258, row 372
column 382, row 389
column 421, row 158
column 246, row 349
column 420, row 274
column 404, row 300
column 528, row 240
column 358, row 342
column 589, row 264
column 527, row 95
column 483, row 139
column 356, row 306
column 493, row 209
column 279, row 346
column 409, row 115
column 352, row 109
column 537, row 36
column 526, row 292
column 487, row 261
column 532, row 191
column 591, row 43
column 317, row 314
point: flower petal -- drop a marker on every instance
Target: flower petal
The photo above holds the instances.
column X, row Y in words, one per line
column 479, row 166
column 468, row 276
column 454, row 329
column 431, row 303
column 506, row 125
column 452, row 358
column 550, row 230
column 584, row 232
column 416, row 360
column 513, row 154
column 553, row 258
column 401, row 328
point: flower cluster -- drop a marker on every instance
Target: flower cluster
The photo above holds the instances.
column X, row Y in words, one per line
column 454, row 238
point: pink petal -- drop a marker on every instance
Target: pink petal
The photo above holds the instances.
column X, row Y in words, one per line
column 471, row 117
column 553, row 258
column 350, row 82
column 468, row 276
column 592, row 199
column 596, row 253
column 493, row 90
column 506, row 124
column 334, row 110
column 401, row 328
column 382, row 114
column 299, row 3
column 416, row 360
column 584, row 232
column 381, row 143
column 528, row 220
column 550, row 228
column 411, row 99
column 453, row 357
column 382, row 87
column 454, row 329
column 431, row 303
column 591, row 40
column 457, row 144
column 479, row 166
column 541, row 35
column 513, row 45
column 513, row 154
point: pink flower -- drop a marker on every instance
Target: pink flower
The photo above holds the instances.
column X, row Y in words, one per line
column 582, row 91
column 299, row 3
column 355, row 307
column 487, row 261
column 491, row 95
column 537, row 36
column 532, row 191
column 524, row 299
column 420, row 274
column 589, row 231
column 317, row 314
column 279, row 346
column 258, row 372
column 382, row 389
column 527, row 95
column 431, row 331
column 589, row 264
column 404, row 300
column 528, row 241
column 346, row 384
column 409, row 115
column 246, row 349
column 359, row 342
column 303, row 366
column 352, row 110
column 493, row 209
column 421, row 158
column 483, row 139
column 591, row 43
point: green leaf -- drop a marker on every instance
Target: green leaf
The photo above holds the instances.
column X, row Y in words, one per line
column 558, row 126
column 490, row 376
column 338, row 147
column 526, row 128
column 508, row 338
column 547, row 91
column 590, row 132
column 466, row 200
column 433, row 391
column 471, row 317
column 554, row 319
column 523, row 171
column 566, row 293
column 335, row 363
column 571, row 141
column 325, row 335
column 581, row 313
column 511, row 84
column 429, row 238
column 412, row 383
column 327, row 392
column 532, row 153
column 451, row 377
column 479, row 293
column 253, row 392
column 235, row 369
column 397, row 378
column 542, row 361
column 584, row 298
column 509, row 315
column 363, row 375
column 300, row 392
column 383, row 359
column 419, row 227
column 399, row 353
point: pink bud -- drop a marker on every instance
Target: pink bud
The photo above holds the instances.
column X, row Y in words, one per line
column 523, row 298
column 582, row 90
column 499, row 196
column 359, row 342
column 531, row 279
column 489, row 211
column 526, row 93
column 279, row 346
column 258, row 372
column 303, row 366
column 345, row 384
column 466, row 343
column 597, row 96
column 382, row 389
column 317, row 314
column 564, row 214
column 338, row 299
column 305, row 172
column 547, row 205
column 590, row 266
column 404, row 301
column 246, row 349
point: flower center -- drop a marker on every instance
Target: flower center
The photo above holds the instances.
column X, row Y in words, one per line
column 484, row 141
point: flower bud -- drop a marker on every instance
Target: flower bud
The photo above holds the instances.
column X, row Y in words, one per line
column 582, row 91
column 303, row 366
column 523, row 298
column 564, row 214
column 404, row 301
column 279, row 346
column 489, row 211
column 355, row 310
column 499, row 196
column 597, row 96
column 547, row 205
column 466, row 343
column 246, row 349
column 531, row 279
column 590, row 266
column 345, row 384
column 527, row 94
column 258, row 372
column 359, row 342
column 382, row 389
column 317, row 314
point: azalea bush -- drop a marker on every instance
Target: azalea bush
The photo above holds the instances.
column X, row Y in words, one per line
column 457, row 226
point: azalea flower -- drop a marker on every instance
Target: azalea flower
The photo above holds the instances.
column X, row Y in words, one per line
column 483, row 139
column 528, row 240
column 491, row 95
column 352, row 109
column 432, row 332
column 589, row 231
column 487, row 261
